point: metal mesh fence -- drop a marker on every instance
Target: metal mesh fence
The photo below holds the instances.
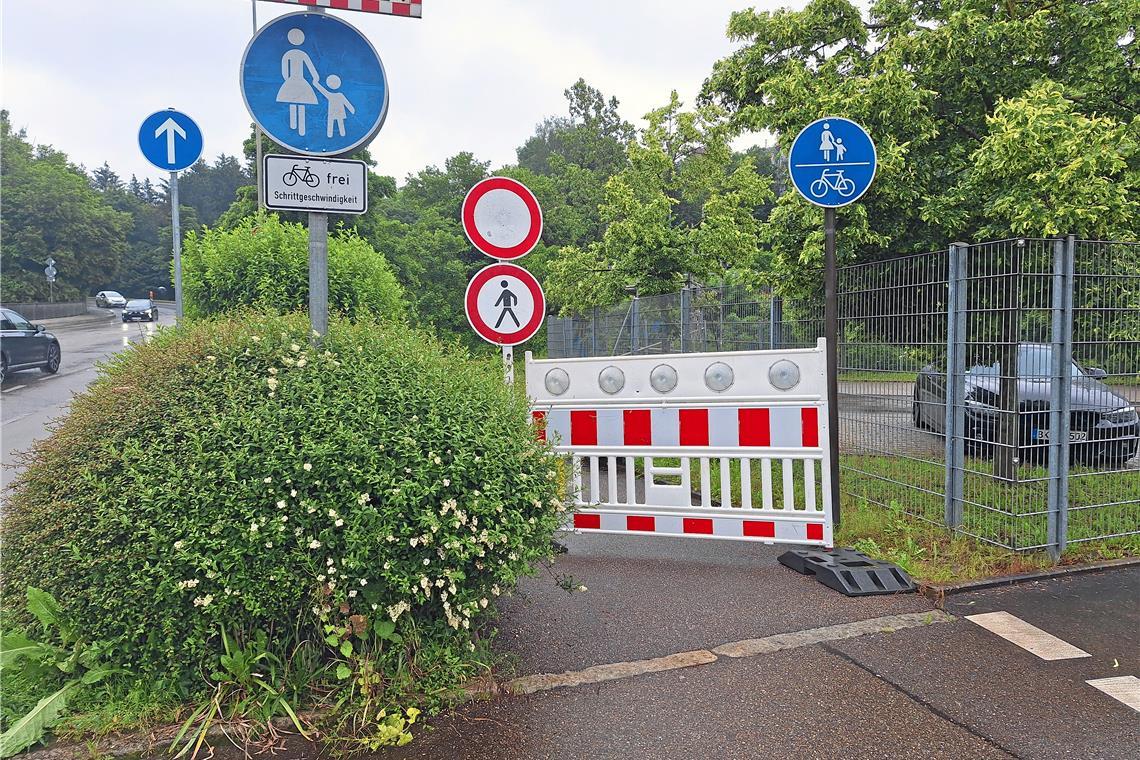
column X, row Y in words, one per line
column 1040, row 340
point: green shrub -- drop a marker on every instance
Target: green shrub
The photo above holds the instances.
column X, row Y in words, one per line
column 264, row 262
column 228, row 474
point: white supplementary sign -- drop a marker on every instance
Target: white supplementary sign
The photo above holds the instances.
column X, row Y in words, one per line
column 301, row 183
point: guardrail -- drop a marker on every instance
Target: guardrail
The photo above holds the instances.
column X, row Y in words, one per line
column 35, row 311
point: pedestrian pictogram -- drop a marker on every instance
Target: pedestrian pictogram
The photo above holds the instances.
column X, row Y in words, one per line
column 502, row 218
column 170, row 140
column 832, row 162
column 314, row 84
column 505, row 304
column 507, row 300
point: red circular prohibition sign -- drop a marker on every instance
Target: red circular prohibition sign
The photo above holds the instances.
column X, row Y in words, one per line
column 481, row 243
column 485, row 331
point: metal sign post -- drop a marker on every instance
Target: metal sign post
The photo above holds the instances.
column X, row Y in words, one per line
column 509, row 364
column 176, row 224
column 257, row 167
column 50, row 272
column 832, row 162
column 831, row 336
column 171, row 140
column 319, row 272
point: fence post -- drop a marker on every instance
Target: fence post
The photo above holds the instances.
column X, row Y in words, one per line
column 720, row 318
column 955, row 422
column 776, row 318
column 594, row 332
column 1007, row 451
column 633, row 325
column 686, row 298
column 1060, row 401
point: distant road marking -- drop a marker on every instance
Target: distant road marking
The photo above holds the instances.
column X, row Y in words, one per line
column 1028, row 637
column 747, row 648
column 14, row 388
column 1124, row 689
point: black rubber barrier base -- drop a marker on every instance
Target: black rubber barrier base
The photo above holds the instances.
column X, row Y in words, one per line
column 849, row 572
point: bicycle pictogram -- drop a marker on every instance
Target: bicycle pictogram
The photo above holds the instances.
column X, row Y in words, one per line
column 294, row 176
column 832, row 180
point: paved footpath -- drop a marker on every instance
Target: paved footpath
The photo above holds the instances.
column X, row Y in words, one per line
column 787, row 669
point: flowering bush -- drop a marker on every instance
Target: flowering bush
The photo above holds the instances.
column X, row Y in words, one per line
column 264, row 262
column 231, row 475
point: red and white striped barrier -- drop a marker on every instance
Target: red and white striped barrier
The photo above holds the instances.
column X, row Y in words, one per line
column 754, row 420
column 407, row 8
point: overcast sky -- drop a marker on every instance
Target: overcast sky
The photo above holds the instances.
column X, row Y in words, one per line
column 472, row 75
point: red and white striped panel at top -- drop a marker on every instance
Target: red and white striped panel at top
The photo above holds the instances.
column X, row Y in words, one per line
column 761, row 416
column 408, row 8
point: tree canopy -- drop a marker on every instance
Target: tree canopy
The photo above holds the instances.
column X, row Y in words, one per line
column 990, row 119
column 51, row 210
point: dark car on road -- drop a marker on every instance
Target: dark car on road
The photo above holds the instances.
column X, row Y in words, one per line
column 106, row 299
column 26, row 346
column 140, row 310
column 1103, row 425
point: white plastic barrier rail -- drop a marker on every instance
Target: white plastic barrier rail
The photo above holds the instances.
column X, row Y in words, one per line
column 726, row 445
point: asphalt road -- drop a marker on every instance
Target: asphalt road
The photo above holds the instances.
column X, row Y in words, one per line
column 31, row 399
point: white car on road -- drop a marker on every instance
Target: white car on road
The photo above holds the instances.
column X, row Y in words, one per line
column 108, row 299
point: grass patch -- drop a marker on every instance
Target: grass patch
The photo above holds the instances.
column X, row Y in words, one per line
column 886, row 376
column 882, row 517
column 933, row 554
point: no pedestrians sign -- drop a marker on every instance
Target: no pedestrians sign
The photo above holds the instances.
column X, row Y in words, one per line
column 505, row 304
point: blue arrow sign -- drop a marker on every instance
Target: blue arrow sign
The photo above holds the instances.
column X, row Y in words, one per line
column 832, row 162
column 314, row 84
column 170, row 140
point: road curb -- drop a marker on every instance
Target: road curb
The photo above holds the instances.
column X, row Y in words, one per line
column 939, row 592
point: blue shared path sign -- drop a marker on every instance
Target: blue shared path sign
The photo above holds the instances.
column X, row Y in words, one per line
column 832, row 162
column 170, row 140
column 314, row 84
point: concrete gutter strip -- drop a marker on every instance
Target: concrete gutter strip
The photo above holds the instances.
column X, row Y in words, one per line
column 745, row 648
column 885, row 624
column 610, row 672
column 938, row 592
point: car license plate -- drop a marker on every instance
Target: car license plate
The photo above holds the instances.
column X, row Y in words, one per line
column 1075, row 436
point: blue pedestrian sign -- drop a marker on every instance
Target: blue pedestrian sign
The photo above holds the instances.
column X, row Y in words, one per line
column 170, row 140
column 832, row 162
column 314, row 84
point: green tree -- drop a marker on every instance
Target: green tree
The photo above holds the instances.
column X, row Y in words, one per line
column 1046, row 169
column 684, row 205
column 263, row 262
column 577, row 153
column 926, row 79
column 210, row 189
column 419, row 231
column 50, row 209
column 145, row 264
